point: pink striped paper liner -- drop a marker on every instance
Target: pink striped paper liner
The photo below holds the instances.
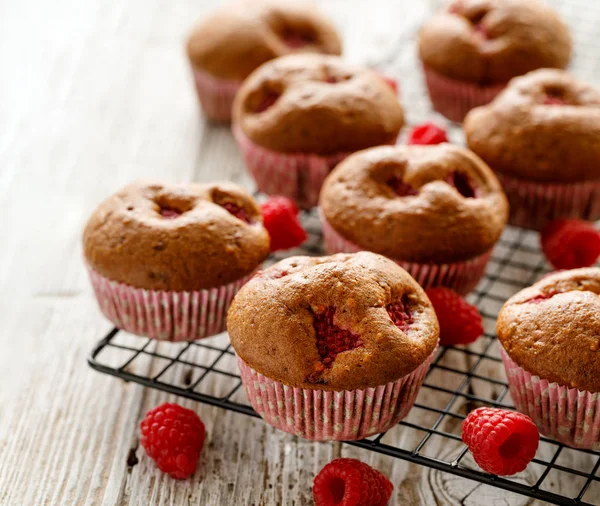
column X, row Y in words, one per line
column 566, row 414
column 462, row 277
column 298, row 176
column 165, row 315
column 533, row 204
column 322, row 415
column 454, row 98
column 215, row 95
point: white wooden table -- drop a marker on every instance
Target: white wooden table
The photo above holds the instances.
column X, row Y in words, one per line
column 95, row 94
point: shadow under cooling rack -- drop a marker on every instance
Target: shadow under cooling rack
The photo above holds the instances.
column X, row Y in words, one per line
column 459, row 380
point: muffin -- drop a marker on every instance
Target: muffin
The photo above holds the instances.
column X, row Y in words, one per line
column 236, row 39
column 542, row 138
column 550, row 336
column 435, row 210
column 472, row 48
column 296, row 117
column 166, row 260
column 333, row 348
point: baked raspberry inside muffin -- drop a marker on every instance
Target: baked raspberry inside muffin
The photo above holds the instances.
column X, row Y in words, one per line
column 472, row 48
column 236, row 39
column 550, row 336
column 166, row 260
column 542, row 137
column 353, row 334
column 436, row 210
column 296, row 117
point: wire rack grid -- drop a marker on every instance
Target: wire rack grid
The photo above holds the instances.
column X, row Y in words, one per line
column 460, row 379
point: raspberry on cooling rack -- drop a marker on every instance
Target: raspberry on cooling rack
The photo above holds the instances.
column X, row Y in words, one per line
column 460, row 322
column 502, row 442
column 173, row 437
column 571, row 244
column 427, row 133
column 350, row 482
column 280, row 217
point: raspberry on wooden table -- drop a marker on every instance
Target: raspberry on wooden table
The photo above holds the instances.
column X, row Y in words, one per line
column 281, row 221
column 350, row 482
column 502, row 442
column 173, row 437
column 427, row 133
column 460, row 322
column 570, row 244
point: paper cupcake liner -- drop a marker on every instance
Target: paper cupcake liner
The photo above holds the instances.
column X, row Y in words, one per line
column 454, row 98
column 215, row 95
column 165, row 315
column 298, row 176
column 566, row 414
column 533, row 204
column 332, row 416
column 462, row 277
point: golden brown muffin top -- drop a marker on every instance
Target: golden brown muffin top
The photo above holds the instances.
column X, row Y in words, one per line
column 239, row 37
column 341, row 322
column 438, row 204
column 552, row 329
column 317, row 104
column 545, row 126
column 181, row 237
column 492, row 41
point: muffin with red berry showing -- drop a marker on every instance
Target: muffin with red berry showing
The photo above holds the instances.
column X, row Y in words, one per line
column 472, row 48
column 166, row 260
column 297, row 116
column 333, row 348
column 436, row 210
column 550, row 336
column 237, row 38
column 542, row 138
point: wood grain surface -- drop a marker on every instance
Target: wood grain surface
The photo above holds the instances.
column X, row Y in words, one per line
column 94, row 94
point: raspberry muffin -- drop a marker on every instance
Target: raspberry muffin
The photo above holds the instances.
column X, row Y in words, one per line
column 166, row 260
column 436, row 210
column 333, row 348
column 236, row 39
column 550, row 336
column 296, row 117
column 542, row 138
column 472, row 48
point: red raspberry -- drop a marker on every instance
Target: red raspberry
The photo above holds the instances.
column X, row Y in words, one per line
column 331, row 339
column 173, row 437
column 569, row 244
column 281, row 221
column 349, row 482
column 427, row 133
column 502, row 442
column 239, row 212
column 400, row 313
column 460, row 322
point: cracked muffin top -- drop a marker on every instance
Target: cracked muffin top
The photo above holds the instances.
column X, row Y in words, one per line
column 181, row 237
column 342, row 322
column 552, row 329
column 439, row 203
column 492, row 41
column 241, row 36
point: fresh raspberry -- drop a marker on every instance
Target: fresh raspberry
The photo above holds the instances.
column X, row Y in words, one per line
column 569, row 244
column 331, row 339
column 427, row 133
column 281, row 221
column 173, row 437
column 502, row 442
column 239, row 212
column 402, row 188
column 400, row 313
column 350, row 482
column 460, row 322
column 462, row 183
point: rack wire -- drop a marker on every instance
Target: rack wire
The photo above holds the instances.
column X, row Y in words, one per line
column 460, row 379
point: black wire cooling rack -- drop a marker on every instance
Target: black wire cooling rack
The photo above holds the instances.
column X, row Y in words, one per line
column 459, row 380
